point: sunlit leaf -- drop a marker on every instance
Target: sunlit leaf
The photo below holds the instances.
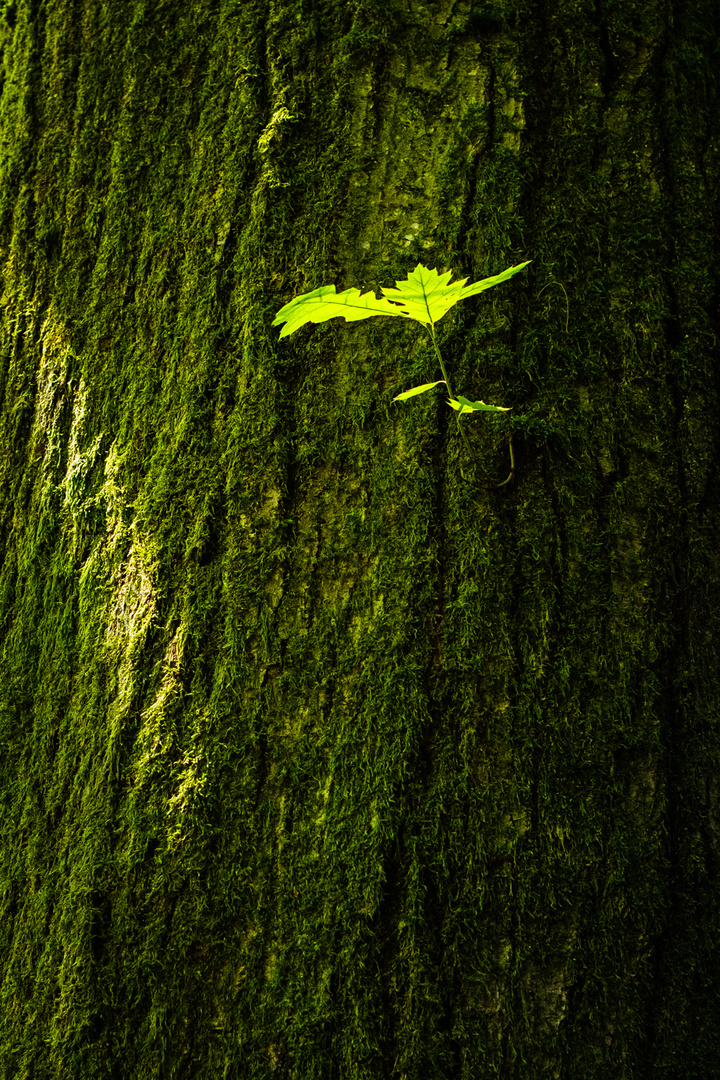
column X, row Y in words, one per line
column 488, row 282
column 325, row 303
column 417, row 390
column 462, row 404
column 426, row 295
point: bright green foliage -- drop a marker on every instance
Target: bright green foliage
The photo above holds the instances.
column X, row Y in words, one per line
column 461, row 404
column 418, row 390
column 325, row 303
column 424, row 295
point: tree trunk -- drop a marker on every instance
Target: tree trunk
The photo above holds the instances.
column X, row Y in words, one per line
column 320, row 756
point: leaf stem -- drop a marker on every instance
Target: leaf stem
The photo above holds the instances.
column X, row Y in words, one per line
column 431, row 328
column 468, row 447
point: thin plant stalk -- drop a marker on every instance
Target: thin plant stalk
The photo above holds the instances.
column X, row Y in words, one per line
column 468, row 447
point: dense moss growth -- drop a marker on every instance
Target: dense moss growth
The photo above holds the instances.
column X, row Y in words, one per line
column 318, row 757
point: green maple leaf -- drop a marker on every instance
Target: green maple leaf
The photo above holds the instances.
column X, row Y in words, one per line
column 424, row 296
column 418, row 390
column 325, row 303
column 463, row 405
column 489, row 282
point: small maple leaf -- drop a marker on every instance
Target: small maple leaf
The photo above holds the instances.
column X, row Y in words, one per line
column 426, row 295
column 325, row 303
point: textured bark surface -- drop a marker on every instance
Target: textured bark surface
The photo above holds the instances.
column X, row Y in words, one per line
column 319, row 758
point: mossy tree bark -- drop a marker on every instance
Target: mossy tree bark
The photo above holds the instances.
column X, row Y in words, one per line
column 318, row 756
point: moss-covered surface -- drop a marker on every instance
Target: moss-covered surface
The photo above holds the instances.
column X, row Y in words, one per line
column 319, row 758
